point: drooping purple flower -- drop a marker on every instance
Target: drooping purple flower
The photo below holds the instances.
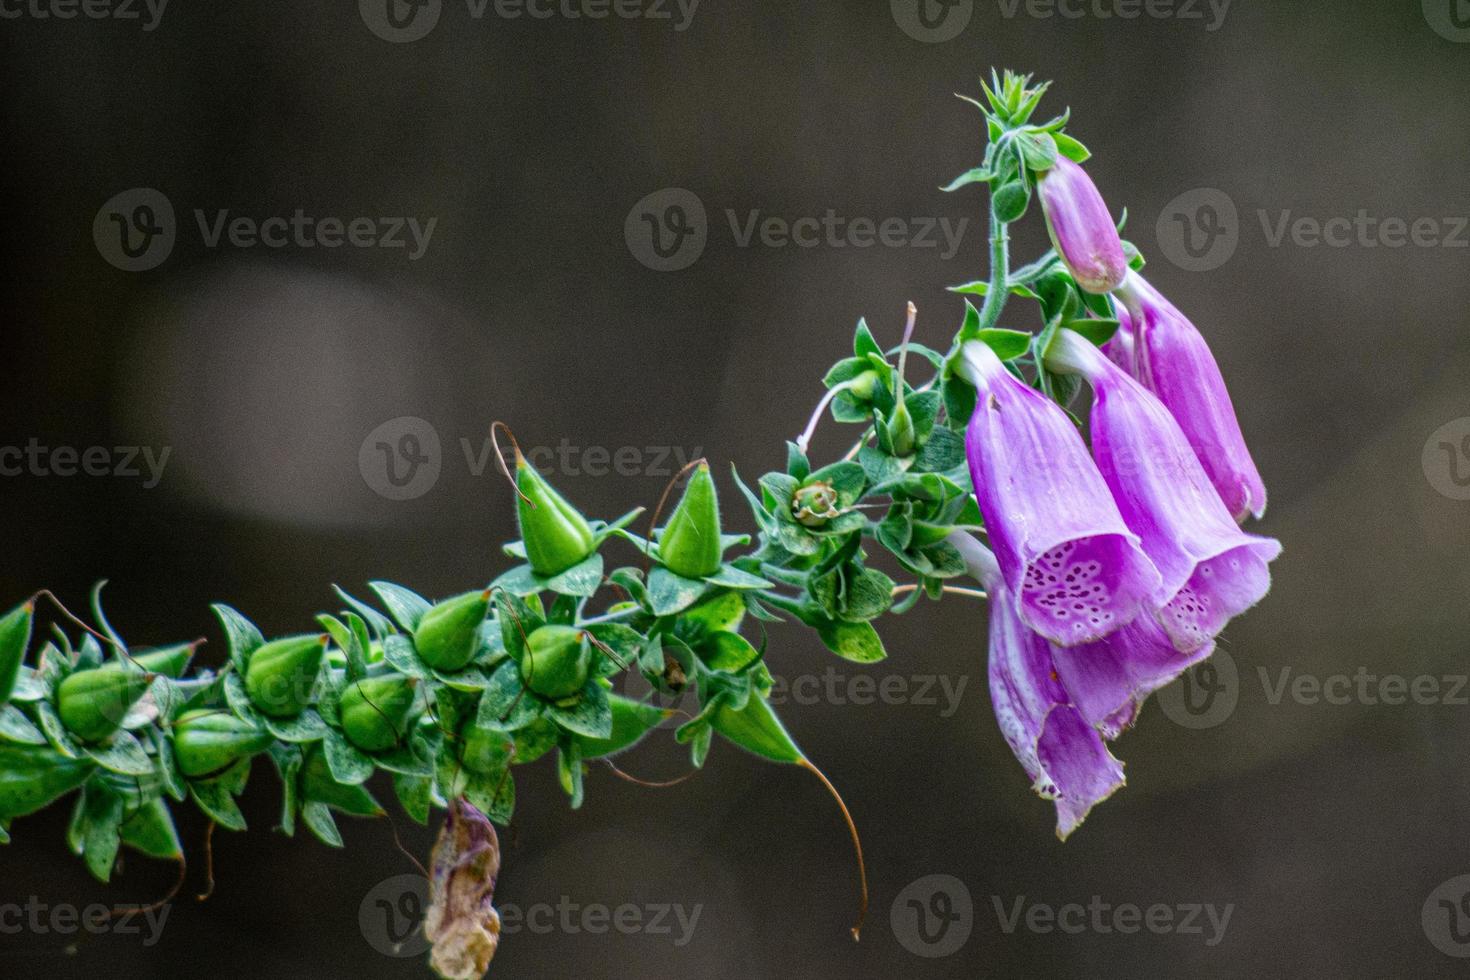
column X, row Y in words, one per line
column 1081, row 229
column 461, row 922
column 1074, row 569
column 1120, row 347
column 1174, row 362
column 1063, row 755
column 1109, row 680
column 1212, row 570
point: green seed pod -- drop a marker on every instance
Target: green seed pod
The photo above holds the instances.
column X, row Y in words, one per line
column 690, row 543
column 555, row 534
column 900, row 432
column 168, row 661
column 15, row 636
column 756, row 729
column 557, row 661
column 34, row 776
column 449, row 633
column 376, row 711
column 211, row 739
column 318, row 786
column 485, row 752
column 92, row 703
column 861, row 387
column 631, row 721
column 150, row 829
column 282, row 674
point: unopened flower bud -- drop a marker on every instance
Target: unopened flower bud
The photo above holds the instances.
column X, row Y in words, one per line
column 557, row 661
column 376, row 711
column 690, row 542
column 211, row 739
column 283, row 673
column 1081, row 229
column 556, row 535
column 449, row 634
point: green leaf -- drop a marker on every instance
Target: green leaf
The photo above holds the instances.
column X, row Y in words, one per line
column 857, row 642
column 669, row 592
column 869, row 595
column 1038, row 150
column 756, row 729
column 863, row 343
column 589, row 715
column 724, row 650
column 102, row 818
column 348, row 765
column 1097, row 330
column 1007, row 344
column 405, row 606
column 978, row 175
column 1011, row 200
column 730, row 577
column 506, row 705
column 520, row 581
column 241, row 635
column 493, row 795
column 413, row 793
column 318, row 819
column 213, row 797
column 376, row 620
column 582, row 579
column 16, row 727
column 1071, row 148
column 122, row 754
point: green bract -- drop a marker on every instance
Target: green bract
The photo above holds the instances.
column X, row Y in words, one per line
column 15, row 635
column 556, row 535
column 31, row 776
column 282, row 674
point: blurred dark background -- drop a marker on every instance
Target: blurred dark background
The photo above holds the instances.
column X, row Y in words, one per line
column 1331, row 831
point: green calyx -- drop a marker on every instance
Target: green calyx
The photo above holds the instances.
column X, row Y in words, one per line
column 861, row 387
column 376, row 711
column 15, row 636
column 485, row 751
column 632, row 720
column 690, row 542
column 814, row 504
column 556, row 536
column 318, row 786
column 282, row 674
column 32, row 776
column 167, row 661
column 449, row 634
column 557, row 661
column 210, row 740
column 92, row 703
column 150, row 829
column 756, row 729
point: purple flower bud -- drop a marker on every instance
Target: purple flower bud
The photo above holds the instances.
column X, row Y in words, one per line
column 1062, row 754
column 1081, row 229
column 1173, row 361
column 461, row 923
column 1075, row 570
column 1212, row 571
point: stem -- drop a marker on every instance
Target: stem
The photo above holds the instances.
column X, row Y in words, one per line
column 803, row 440
column 1000, row 270
column 857, row 844
column 899, row 590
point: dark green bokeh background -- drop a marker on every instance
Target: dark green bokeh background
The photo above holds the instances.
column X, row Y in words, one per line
column 1326, row 826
